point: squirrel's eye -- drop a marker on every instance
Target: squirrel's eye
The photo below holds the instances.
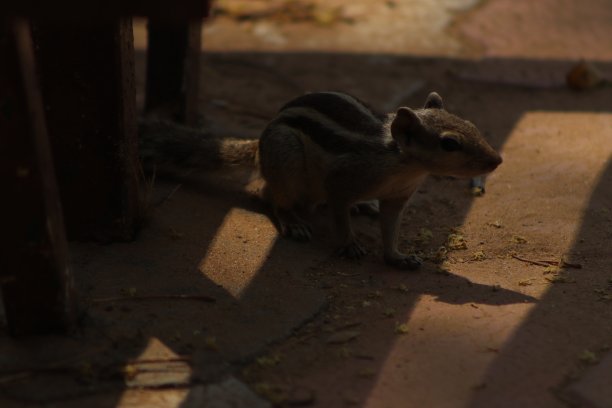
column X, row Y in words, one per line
column 450, row 144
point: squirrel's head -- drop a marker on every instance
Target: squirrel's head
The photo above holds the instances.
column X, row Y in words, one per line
column 442, row 142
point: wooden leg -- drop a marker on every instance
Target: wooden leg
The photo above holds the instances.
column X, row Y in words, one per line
column 173, row 64
column 35, row 278
column 88, row 86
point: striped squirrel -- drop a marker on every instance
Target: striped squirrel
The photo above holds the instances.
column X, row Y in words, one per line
column 330, row 147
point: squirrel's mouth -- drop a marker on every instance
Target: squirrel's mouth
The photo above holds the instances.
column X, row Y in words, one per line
column 477, row 171
column 489, row 164
column 473, row 168
column 493, row 164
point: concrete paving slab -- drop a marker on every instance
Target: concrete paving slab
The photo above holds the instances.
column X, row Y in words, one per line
column 483, row 332
column 216, row 247
column 205, row 286
column 477, row 331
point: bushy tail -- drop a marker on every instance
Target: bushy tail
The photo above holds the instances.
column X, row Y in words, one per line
column 166, row 144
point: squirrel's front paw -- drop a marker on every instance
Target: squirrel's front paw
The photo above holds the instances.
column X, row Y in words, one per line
column 300, row 232
column 352, row 250
column 368, row 208
column 404, row 262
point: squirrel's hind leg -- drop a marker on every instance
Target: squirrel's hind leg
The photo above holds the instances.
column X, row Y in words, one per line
column 284, row 214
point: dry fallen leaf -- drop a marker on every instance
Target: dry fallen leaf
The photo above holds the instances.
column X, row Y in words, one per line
column 583, row 76
column 456, row 242
column 128, row 292
column 86, row 370
column 603, row 295
column 479, row 256
column 516, row 239
column 345, row 352
column 560, row 278
column 130, row 371
column 269, row 361
column 366, row 373
column 496, row 224
column 343, row 337
column 210, row 342
column 273, row 393
column 440, row 255
column 389, row 312
column 375, row 294
column 424, row 236
column 350, row 400
column 401, row 328
column 402, row 288
column 174, row 234
column 443, row 271
column 300, row 397
column 588, row 357
column 551, row 269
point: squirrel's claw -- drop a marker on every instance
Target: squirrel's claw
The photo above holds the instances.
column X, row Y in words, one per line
column 298, row 232
column 404, row 262
column 353, row 250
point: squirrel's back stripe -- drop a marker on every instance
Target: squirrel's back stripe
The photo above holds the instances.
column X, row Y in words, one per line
column 329, row 135
column 337, row 122
column 345, row 110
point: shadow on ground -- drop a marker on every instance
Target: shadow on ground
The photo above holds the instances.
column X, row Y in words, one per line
column 212, row 240
column 570, row 320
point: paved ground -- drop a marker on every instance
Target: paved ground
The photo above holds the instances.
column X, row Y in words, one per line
column 494, row 324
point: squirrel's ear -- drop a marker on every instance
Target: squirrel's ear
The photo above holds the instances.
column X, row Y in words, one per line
column 405, row 123
column 434, row 101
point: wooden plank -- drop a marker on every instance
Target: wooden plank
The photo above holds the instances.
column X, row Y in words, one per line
column 191, row 74
column 173, row 65
column 87, row 78
column 98, row 10
column 35, row 277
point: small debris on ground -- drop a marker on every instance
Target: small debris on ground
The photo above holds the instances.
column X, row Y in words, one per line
column 456, row 242
column 401, row 328
column 479, row 256
column 389, row 312
column 561, row 278
column 269, row 361
column 210, row 342
column 300, row 396
column 588, row 357
column 495, row 224
column 477, row 191
column 584, row 76
column 424, row 237
column 343, row 337
column 517, row 239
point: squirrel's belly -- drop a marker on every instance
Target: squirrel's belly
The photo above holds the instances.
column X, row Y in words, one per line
column 397, row 186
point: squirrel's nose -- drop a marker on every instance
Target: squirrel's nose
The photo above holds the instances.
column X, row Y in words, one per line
column 494, row 161
column 498, row 160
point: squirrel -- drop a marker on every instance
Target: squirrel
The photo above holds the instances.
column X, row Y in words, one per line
column 332, row 148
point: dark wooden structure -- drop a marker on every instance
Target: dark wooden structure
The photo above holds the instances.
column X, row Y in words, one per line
column 89, row 91
column 68, row 135
column 35, row 273
column 172, row 69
